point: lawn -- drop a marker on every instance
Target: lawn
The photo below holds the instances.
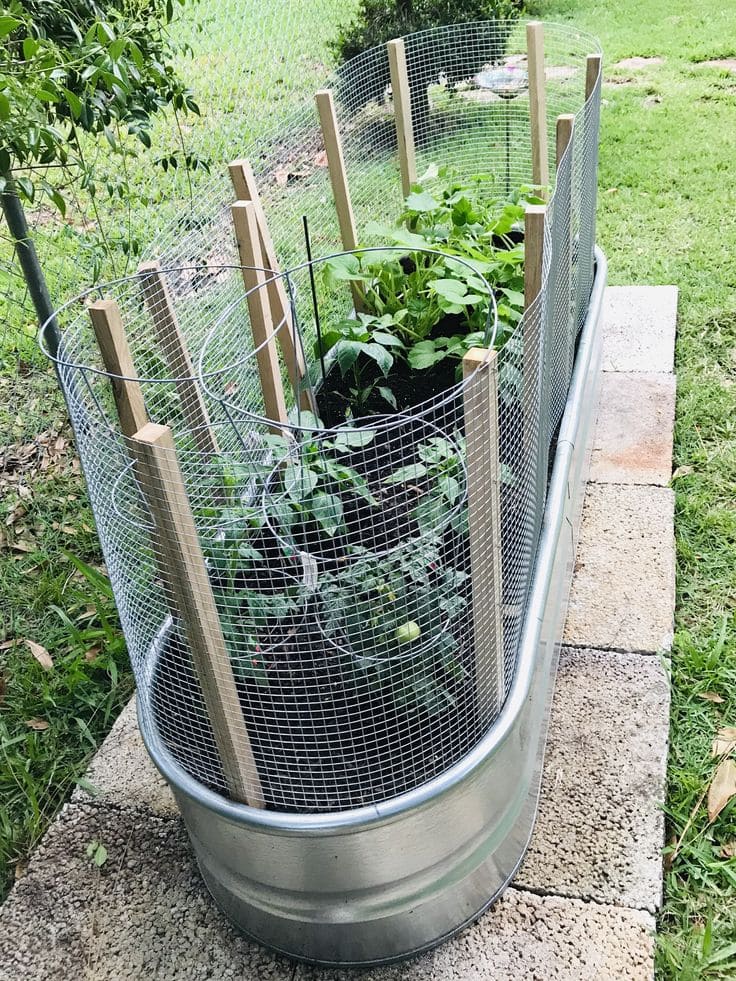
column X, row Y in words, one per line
column 667, row 158
column 668, row 146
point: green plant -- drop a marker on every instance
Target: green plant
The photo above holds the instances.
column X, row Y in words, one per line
column 394, row 616
column 441, row 477
column 357, row 340
column 72, row 72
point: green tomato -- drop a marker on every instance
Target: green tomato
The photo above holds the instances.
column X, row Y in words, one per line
column 408, row 632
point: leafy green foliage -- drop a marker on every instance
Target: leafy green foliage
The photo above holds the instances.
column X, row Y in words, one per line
column 395, row 616
column 74, row 72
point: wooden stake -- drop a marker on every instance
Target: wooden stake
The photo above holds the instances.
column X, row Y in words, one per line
column 246, row 189
column 184, row 567
column 534, row 217
column 161, row 310
column 117, row 359
column 246, row 231
column 565, row 125
column 336, row 165
column 338, row 179
column 537, row 102
column 592, row 71
column 402, row 114
column 480, row 399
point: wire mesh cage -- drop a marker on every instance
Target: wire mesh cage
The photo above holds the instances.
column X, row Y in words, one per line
column 319, row 491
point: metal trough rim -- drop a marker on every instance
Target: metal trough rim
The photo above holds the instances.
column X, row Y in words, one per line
column 386, row 811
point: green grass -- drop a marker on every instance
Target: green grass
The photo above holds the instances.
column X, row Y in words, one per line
column 667, row 215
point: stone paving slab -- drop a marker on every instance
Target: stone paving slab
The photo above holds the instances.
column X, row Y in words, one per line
column 530, row 937
column 639, row 326
column 633, row 435
column 623, row 590
column 122, row 773
column 600, row 829
column 146, row 915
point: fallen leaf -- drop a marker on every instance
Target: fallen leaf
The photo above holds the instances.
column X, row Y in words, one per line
column 91, row 654
column 728, row 850
column 710, row 696
column 722, row 788
column 281, row 177
column 22, row 547
column 38, row 724
column 724, row 742
column 681, row 472
column 611, row 190
column 321, row 159
column 41, row 654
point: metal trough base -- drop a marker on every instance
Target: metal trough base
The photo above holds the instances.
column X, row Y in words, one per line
column 380, row 883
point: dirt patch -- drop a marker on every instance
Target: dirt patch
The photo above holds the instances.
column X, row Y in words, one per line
column 726, row 64
column 637, row 62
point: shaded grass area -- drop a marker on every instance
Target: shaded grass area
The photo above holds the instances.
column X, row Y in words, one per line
column 666, row 215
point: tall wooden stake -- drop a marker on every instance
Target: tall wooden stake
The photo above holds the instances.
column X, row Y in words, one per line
column 161, row 310
column 534, row 218
column 246, row 231
column 564, row 129
column 592, row 70
column 537, row 102
column 402, row 113
column 480, row 399
column 338, row 179
column 246, row 189
column 116, row 357
column 184, row 568
column 535, row 343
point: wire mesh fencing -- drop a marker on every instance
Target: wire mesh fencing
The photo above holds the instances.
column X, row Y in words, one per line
column 319, row 491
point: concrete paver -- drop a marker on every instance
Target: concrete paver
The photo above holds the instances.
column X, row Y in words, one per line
column 600, row 828
column 122, row 772
column 639, row 325
column 623, row 591
column 145, row 914
column 633, row 435
column 529, row 936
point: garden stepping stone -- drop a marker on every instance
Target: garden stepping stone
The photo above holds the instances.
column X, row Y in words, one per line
column 623, row 591
column 600, row 828
column 639, row 324
column 633, row 437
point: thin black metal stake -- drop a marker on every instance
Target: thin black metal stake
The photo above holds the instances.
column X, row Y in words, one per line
column 315, row 304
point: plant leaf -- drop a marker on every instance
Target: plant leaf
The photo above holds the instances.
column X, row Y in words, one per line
column 722, row 788
column 327, row 509
column 421, row 201
column 412, row 472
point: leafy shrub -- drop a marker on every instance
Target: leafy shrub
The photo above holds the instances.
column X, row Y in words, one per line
column 76, row 70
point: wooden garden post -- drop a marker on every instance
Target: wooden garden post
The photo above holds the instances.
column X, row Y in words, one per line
column 183, row 566
column 336, row 167
column 246, row 189
column 537, row 103
column 564, row 282
column 480, row 401
column 338, row 179
column 402, row 114
column 534, row 370
column 259, row 312
column 117, row 359
column 592, row 70
column 174, row 349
